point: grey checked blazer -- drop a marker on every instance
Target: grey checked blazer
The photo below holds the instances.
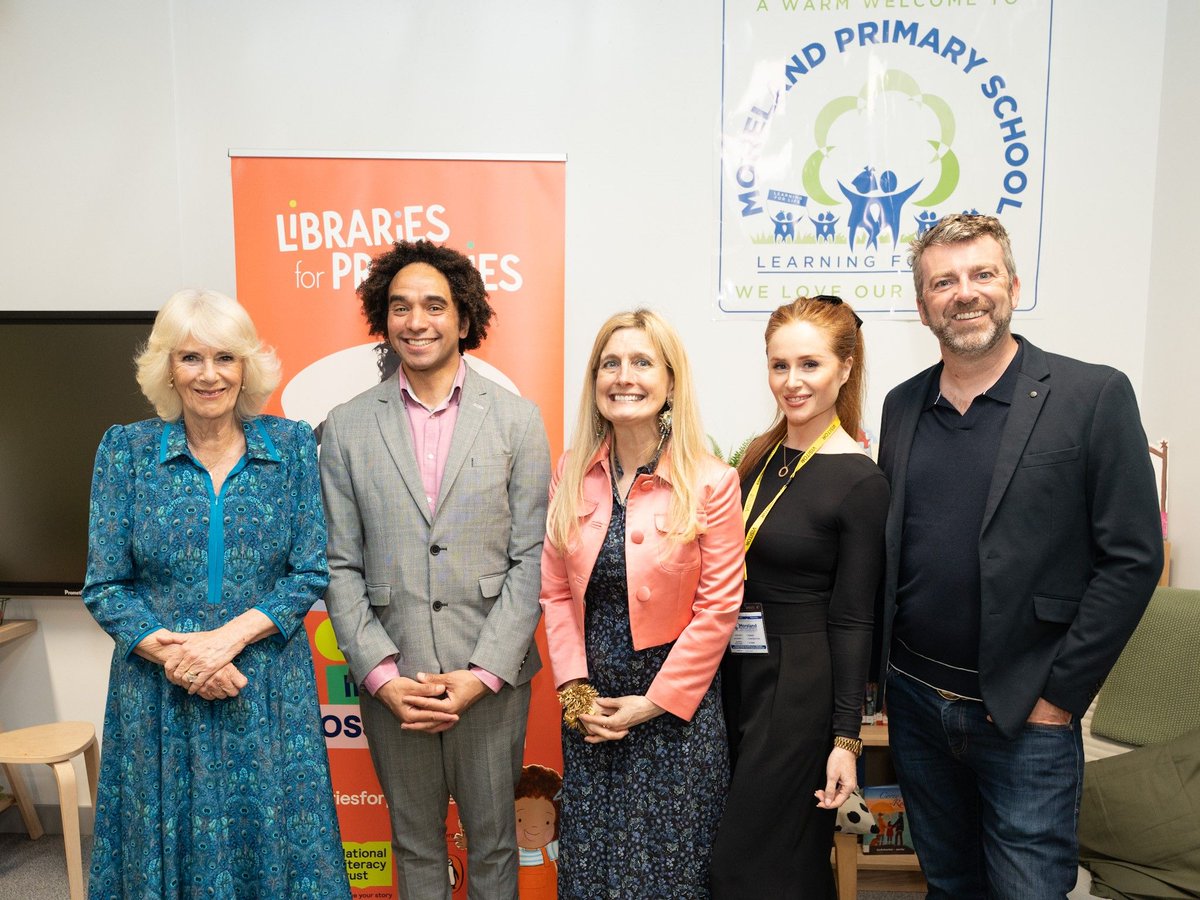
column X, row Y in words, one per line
column 451, row 588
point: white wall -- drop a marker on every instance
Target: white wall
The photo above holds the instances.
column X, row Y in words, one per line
column 125, row 113
column 88, row 164
column 1170, row 397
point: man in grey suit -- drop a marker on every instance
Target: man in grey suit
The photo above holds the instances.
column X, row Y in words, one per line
column 1023, row 543
column 435, row 485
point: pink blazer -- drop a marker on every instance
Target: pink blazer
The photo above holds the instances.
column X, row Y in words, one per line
column 687, row 593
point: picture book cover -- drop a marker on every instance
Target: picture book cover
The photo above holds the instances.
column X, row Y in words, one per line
column 887, row 805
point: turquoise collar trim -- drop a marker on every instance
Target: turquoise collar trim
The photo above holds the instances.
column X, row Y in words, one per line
column 173, row 443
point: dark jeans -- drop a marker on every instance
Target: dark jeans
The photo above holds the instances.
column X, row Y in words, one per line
column 991, row 818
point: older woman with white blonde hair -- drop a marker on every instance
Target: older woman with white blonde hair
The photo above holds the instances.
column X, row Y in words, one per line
column 206, row 547
column 641, row 584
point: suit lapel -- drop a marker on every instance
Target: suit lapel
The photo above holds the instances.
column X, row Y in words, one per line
column 1029, row 397
column 901, row 440
column 397, row 437
column 472, row 409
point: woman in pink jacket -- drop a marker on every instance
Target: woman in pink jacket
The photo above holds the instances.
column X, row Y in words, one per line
column 641, row 586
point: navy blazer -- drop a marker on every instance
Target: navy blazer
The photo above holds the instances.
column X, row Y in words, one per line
column 1070, row 548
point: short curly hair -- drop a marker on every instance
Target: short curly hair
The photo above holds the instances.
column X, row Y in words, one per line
column 466, row 287
column 544, row 783
column 217, row 321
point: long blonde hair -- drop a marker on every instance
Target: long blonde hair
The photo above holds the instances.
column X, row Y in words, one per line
column 685, row 448
column 842, row 327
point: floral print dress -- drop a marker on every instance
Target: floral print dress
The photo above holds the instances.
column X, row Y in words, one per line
column 639, row 815
column 230, row 798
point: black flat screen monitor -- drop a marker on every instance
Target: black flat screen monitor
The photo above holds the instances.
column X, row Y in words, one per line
column 64, row 379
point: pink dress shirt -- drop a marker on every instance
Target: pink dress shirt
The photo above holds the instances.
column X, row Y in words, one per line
column 432, row 430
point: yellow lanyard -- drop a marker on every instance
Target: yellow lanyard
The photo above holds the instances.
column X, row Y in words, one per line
column 816, row 445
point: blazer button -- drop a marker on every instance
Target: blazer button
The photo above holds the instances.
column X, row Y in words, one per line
column 435, row 549
column 636, row 536
column 643, row 593
column 437, row 605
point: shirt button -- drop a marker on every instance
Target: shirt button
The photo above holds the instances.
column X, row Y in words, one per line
column 435, row 549
column 437, row 605
column 636, row 536
column 643, row 593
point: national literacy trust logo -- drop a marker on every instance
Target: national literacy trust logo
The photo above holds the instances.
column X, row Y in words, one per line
column 847, row 140
column 368, row 863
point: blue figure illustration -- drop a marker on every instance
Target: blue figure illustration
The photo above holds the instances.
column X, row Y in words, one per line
column 970, row 212
column 785, row 228
column 925, row 221
column 865, row 181
column 824, row 223
column 875, row 204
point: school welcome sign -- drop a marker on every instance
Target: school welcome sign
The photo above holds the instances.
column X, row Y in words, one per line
column 849, row 127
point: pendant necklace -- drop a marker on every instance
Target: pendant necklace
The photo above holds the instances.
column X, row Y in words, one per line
column 618, row 471
column 786, row 467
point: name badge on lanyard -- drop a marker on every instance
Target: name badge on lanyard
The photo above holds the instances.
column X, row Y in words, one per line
column 749, row 634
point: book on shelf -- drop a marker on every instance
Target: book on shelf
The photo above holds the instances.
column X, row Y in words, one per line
column 873, row 713
column 887, row 805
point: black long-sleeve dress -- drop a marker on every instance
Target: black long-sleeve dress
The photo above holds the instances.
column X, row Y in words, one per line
column 814, row 566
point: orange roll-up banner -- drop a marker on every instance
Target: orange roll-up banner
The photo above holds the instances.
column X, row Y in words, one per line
column 306, row 226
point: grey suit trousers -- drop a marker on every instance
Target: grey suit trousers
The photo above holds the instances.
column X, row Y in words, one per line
column 423, row 771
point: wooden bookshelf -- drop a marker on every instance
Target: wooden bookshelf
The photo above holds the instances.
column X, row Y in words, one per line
column 849, row 858
column 899, row 861
column 15, row 628
column 874, row 735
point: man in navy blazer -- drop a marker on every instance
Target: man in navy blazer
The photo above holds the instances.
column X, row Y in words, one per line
column 1023, row 543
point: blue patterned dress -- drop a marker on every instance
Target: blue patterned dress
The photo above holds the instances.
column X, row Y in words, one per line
column 639, row 815
column 230, row 798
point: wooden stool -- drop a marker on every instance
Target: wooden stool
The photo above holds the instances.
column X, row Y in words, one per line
column 845, row 860
column 55, row 745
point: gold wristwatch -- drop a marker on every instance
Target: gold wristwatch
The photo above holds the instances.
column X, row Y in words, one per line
column 854, row 745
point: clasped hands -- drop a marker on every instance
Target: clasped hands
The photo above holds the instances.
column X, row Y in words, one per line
column 200, row 662
column 611, row 717
column 431, row 702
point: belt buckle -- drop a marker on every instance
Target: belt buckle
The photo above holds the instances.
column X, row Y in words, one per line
column 948, row 695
